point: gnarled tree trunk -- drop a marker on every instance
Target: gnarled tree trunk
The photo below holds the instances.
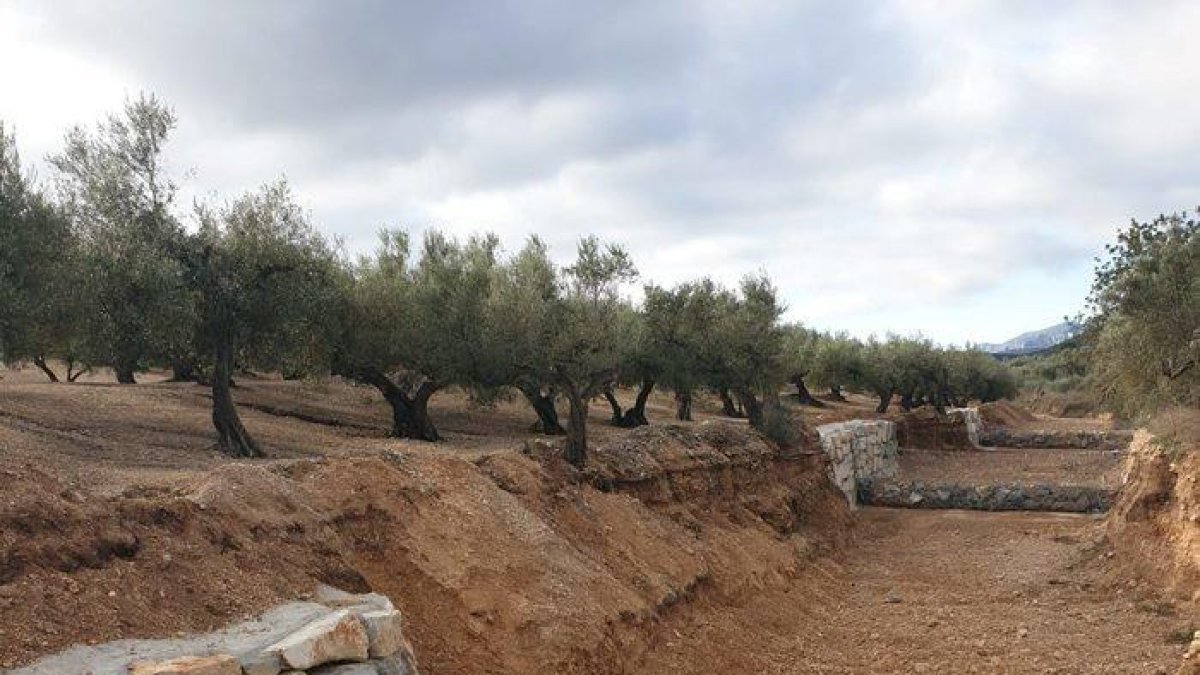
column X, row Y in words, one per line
column 906, row 401
column 576, row 449
column 40, row 362
column 802, row 393
column 543, row 406
column 636, row 416
column 835, row 393
column 73, row 374
column 752, row 406
column 683, row 406
column 421, row 425
column 232, row 437
column 124, row 372
column 183, row 371
column 410, row 414
column 885, row 400
column 727, row 407
column 613, row 403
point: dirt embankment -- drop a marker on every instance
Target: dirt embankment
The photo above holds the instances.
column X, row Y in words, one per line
column 501, row 564
column 1155, row 524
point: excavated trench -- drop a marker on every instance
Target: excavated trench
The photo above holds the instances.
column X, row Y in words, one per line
column 685, row 549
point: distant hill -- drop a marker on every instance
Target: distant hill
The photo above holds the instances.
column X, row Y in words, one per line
column 1034, row 340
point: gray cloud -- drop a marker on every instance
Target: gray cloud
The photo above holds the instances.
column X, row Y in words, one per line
column 844, row 147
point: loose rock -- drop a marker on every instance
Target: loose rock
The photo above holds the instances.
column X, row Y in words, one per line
column 190, row 665
column 340, row 636
column 383, row 632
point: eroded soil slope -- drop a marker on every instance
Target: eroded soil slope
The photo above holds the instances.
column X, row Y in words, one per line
column 1155, row 524
column 501, row 563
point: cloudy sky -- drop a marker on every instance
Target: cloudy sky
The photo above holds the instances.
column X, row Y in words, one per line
column 918, row 165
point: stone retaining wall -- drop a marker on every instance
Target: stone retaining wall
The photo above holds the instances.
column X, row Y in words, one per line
column 1083, row 440
column 994, row 497
column 859, row 450
column 338, row 634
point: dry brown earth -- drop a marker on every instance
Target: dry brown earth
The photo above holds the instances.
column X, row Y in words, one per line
column 114, row 502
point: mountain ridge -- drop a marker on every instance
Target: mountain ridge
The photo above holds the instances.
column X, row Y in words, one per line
column 1033, row 340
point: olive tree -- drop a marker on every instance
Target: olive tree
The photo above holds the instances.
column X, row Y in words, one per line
column 587, row 322
column 639, row 367
column 1145, row 300
column 520, row 320
column 117, row 193
column 412, row 327
column 908, row 366
column 678, row 348
column 836, row 363
column 38, row 283
column 879, row 371
column 800, row 348
column 261, row 277
column 751, row 338
column 974, row 375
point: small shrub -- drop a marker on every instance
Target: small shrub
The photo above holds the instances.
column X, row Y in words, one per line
column 779, row 426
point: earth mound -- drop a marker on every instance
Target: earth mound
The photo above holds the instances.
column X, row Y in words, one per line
column 1005, row 414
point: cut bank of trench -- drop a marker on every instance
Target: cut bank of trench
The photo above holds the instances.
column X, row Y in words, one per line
column 502, row 565
column 701, row 555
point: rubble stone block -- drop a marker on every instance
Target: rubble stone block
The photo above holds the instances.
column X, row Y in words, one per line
column 339, row 599
column 347, row 669
column 340, row 636
column 190, row 665
column 399, row 664
column 265, row 663
column 383, row 632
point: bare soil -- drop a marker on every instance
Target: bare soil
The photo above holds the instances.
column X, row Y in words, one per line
column 943, row 592
column 117, row 519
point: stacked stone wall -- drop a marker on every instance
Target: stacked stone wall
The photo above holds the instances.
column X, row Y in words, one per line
column 1082, row 440
column 996, row 497
column 859, row 450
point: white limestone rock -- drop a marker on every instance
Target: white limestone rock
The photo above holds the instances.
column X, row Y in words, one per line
column 339, row 636
column 223, row 664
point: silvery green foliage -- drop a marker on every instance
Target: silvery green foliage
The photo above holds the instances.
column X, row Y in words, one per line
column 262, row 279
column 1146, row 322
column 115, row 188
column 38, row 302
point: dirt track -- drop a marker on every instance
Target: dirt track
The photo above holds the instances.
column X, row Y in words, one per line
column 943, row 592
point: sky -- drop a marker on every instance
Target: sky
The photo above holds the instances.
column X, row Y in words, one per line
column 913, row 166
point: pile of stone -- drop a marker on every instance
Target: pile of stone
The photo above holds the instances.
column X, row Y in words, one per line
column 337, row 634
column 859, row 450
